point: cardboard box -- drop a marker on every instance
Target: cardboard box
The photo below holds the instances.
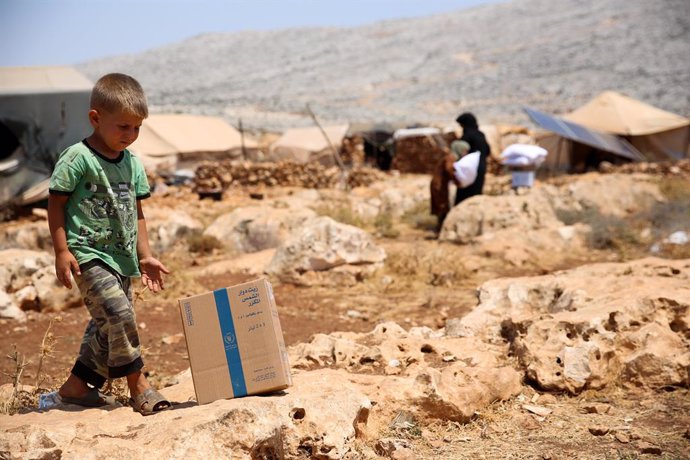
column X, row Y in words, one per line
column 235, row 342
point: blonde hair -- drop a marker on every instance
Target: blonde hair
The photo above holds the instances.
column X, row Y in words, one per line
column 117, row 92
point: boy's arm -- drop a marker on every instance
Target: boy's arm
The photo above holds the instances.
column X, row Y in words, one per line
column 65, row 262
column 151, row 268
column 449, row 161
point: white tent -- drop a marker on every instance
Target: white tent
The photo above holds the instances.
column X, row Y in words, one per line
column 172, row 141
column 308, row 144
column 43, row 110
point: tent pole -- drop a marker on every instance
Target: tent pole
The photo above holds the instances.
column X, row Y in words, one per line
column 244, row 150
column 333, row 149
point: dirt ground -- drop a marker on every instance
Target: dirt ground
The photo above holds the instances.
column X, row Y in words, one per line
column 629, row 424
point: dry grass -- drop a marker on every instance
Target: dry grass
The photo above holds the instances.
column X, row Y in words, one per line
column 624, row 235
column 385, row 226
column 201, row 244
column 419, row 217
column 344, row 215
column 427, row 264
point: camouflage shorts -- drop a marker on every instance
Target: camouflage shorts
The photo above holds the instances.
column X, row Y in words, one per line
column 110, row 346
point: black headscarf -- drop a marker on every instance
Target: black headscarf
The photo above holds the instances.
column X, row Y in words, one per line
column 478, row 143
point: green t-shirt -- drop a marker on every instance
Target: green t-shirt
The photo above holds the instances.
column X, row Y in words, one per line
column 101, row 212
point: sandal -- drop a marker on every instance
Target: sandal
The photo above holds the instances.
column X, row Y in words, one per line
column 92, row 398
column 149, row 402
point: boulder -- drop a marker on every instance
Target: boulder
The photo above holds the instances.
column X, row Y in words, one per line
column 31, row 235
column 9, row 308
column 17, row 266
column 167, row 226
column 610, row 194
column 324, row 245
column 51, row 294
column 255, row 228
column 319, row 417
column 484, row 215
column 586, row 328
column 428, row 372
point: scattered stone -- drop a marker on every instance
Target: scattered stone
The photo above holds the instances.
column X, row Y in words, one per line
column 527, row 422
column 598, row 430
column 548, row 399
column 539, row 410
column 172, row 339
column 353, row 314
column 622, row 438
column 647, row 448
column 596, row 409
column 386, row 447
column 403, row 454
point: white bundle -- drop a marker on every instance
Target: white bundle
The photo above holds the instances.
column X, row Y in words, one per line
column 523, row 155
column 466, row 169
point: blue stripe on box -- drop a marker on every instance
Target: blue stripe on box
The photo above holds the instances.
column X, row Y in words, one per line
column 232, row 353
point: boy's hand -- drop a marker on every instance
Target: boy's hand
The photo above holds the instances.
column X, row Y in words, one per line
column 151, row 273
column 65, row 266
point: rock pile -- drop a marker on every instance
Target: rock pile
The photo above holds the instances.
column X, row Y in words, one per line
column 680, row 168
column 418, row 154
column 218, row 176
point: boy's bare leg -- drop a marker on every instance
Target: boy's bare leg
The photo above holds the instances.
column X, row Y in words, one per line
column 137, row 383
column 74, row 387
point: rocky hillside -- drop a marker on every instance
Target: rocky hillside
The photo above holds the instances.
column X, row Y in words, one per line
column 550, row 54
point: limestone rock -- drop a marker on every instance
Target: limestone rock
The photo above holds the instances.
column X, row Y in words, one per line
column 484, row 214
column 53, row 296
column 256, row 228
column 17, row 265
column 321, row 245
column 33, row 236
column 321, row 414
column 168, row 226
column 9, row 309
column 594, row 192
column 586, row 328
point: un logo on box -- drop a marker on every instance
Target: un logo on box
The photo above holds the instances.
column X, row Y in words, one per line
column 230, row 341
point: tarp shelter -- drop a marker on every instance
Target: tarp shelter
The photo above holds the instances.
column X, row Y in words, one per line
column 168, row 142
column 418, row 150
column 43, row 110
column 657, row 134
column 376, row 142
column 575, row 148
column 309, row 144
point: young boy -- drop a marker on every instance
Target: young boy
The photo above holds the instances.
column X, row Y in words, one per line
column 99, row 236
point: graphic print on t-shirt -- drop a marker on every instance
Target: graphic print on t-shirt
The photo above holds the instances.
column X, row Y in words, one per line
column 104, row 204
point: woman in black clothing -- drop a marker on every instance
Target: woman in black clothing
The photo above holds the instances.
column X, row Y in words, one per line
column 477, row 141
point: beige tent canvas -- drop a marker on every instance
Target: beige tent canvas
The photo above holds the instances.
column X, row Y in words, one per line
column 43, row 110
column 657, row 134
column 576, row 148
column 174, row 141
column 309, row 144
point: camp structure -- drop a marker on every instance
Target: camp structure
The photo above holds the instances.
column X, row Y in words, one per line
column 43, row 110
column 657, row 134
column 371, row 143
column 304, row 145
column 168, row 142
column 419, row 149
column 575, row 148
